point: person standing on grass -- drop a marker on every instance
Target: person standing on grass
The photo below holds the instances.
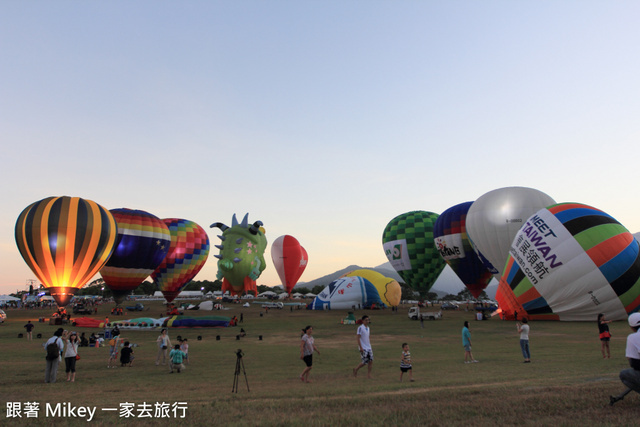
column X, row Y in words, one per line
column 114, row 344
column 405, row 362
column 366, row 352
column 605, row 336
column 51, row 370
column 631, row 377
column 184, row 346
column 466, row 343
column 29, row 327
column 164, row 342
column 70, row 356
column 524, row 339
column 307, row 347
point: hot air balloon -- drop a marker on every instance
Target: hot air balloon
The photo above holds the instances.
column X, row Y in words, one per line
column 388, row 289
column 143, row 242
column 570, row 262
column 65, row 241
column 495, row 218
column 290, row 260
column 186, row 257
column 408, row 244
column 455, row 248
column 241, row 257
column 346, row 293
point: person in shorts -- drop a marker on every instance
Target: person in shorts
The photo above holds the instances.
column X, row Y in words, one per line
column 307, row 347
column 405, row 362
column 364, row 344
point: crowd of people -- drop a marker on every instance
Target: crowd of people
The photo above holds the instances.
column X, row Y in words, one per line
column 64, row 345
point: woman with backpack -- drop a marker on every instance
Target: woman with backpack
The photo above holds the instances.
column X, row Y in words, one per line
column 70, row 356
column 54, row 347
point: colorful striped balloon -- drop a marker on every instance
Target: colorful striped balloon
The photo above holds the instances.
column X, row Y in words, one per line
column 143, row 242
column 186, row 257
column 571, row 261
column 65, row 241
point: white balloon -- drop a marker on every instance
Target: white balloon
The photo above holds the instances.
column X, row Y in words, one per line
column 494, row 219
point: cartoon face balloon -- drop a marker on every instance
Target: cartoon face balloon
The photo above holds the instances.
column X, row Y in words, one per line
column 241, row 257
column 389, row 290
column 186, row 257
column 65, row 241
column 408, row 243
column 570, row 262
column 495, row 218
column 455, row 248
column 143, row 242
column 290, row 260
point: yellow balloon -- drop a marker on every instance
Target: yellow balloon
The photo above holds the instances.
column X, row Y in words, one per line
column 389, row 289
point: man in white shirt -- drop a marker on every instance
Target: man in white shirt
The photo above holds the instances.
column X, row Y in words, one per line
column 366, row 352
column 631, row 377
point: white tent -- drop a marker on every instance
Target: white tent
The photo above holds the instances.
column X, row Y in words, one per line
column 267, row 294
column 8, row 298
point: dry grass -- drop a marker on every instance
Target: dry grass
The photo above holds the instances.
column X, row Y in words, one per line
column 568, row 382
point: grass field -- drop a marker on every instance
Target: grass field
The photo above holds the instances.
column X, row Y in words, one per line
column 567, row 383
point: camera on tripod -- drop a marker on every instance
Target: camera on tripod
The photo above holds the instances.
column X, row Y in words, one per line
column 239, row 368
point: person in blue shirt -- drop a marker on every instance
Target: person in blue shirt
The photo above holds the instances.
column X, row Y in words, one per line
column 466, row 343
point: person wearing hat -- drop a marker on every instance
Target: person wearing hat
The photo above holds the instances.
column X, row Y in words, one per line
column 70, row 356
column 51, row 371
column 631, row 377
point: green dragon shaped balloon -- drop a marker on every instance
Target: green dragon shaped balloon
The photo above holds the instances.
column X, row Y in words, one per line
column 241, row 257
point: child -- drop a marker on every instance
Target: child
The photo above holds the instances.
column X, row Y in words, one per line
column 175, row 358
column 114, row 343
column 405, row 362
column 184, row 346
column 126, row 355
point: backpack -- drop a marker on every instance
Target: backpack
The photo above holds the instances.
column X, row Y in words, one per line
column 52, row 350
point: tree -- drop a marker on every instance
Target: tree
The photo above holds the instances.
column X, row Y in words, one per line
column 317, row 289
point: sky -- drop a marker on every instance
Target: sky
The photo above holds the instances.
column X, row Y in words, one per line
column 322, row 119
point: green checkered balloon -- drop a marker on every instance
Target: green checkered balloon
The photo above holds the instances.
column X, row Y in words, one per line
column 408, row 243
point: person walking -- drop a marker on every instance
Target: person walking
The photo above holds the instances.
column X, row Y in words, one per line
column 54, row 347
column 164, row 342
column 364, row 344
column 605, row 335
column 307, row 347
column 466, row 343
column 405, row 362
column 631, row 377
column 29, row 327
column 70, row 356
column 523, row 329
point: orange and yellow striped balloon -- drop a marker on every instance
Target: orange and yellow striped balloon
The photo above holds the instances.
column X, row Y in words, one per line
column 65, row 241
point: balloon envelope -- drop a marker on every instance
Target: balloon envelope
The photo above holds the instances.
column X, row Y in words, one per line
column 451, row 240
column 408, row 243
column 495, row 218
column 65, row 241
column 143, row 242
column 290, row 260
column 187, row 254
column 570, row 262
column 346, row 293
column 388, row 289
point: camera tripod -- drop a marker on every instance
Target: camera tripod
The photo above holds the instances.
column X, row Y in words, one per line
column 236, row 376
